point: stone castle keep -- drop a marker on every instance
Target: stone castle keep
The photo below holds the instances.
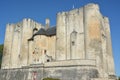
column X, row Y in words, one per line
column 77, row 48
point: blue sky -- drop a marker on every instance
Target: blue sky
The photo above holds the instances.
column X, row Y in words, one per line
column 13, row 11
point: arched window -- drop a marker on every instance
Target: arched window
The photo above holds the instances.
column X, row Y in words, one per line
column 73, row 37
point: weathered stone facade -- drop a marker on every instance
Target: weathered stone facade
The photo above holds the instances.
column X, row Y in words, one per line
column 77, row 48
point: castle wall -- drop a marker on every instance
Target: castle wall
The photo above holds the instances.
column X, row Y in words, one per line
column 40, row 45
column 7, row 47
column 74, row 24
column 51, row 46
column 104, row 48
column 30, row 51
column 92, row 30
column 104, row 51
column 110, row 60
column 59, row 70
column 86, row 22
column 81, row 35
column 93, row 36
column 68, row 22
column 16, row 43
column 43, row 48
column 82, row 41
column 15, row 54
column 97, row 39
column 61, row 37
column 26, row 34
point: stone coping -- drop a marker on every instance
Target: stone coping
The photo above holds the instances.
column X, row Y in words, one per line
column 66, row 63
column 61, row 63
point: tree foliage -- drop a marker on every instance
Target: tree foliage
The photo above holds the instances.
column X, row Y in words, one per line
column 1, row 53
column 1, row 48
column 50, row 79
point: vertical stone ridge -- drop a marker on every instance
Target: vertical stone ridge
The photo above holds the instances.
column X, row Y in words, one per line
column 110, row 60
column 7, row 47
column 84, row 19
column 93, row 35
column 61, row 32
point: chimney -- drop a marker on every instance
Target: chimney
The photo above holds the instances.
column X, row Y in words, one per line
column 47, row 22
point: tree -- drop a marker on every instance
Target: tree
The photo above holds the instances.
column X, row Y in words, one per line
column 1, row 53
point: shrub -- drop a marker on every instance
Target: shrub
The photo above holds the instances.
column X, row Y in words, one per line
column 50, row 79
column 1, row 53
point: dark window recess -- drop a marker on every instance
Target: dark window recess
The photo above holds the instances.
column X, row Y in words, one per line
column 33, row 52
column 37, row 59
column 45, row 51
column 73, row 43
column 48, row 60
column 19, row 55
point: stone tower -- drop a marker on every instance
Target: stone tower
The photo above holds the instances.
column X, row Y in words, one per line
column 77, row 48
column 15, row 52
column 85, row 34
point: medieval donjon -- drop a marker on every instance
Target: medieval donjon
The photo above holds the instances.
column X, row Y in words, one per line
column 77, row 48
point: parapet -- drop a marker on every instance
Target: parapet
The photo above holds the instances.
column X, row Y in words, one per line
column 92, row 5
column 75, row 11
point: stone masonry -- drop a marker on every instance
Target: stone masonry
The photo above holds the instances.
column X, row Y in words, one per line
column 77, row 48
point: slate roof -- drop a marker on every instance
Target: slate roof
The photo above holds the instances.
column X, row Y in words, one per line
column 40, row 32
column 49, row 32
column 35, row 29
